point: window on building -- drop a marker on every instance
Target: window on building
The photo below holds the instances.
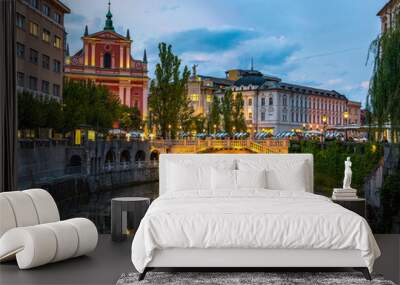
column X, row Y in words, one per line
column 284, row 100
column 56, row 65
column 57, row 18
column 263, row 101
column 33, row 83
column 45, row 86
column 46, row 35
column 107, row 60
column 33, row 56
column 46, row 10
column 34, row 3
column 271, row 101
column 194, row 97
column 45, row 61
column 56, row 90
column 33, row 29
column 284, row 117
column 262, row 116
column 250, row 102
column 250, row 115
column 20, row 79
column 57, row 42
column 20, row 50
column 20, row 21
column 209, row 98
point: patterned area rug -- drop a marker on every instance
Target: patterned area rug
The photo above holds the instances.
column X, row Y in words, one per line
column 233, row 278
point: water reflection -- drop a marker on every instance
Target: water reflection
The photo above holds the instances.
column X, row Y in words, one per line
column 97, row 206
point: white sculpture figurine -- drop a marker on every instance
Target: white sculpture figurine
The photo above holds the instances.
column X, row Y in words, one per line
column 347, row 174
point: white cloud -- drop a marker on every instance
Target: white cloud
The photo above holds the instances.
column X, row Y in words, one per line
column 335, row 81
column 365, row 84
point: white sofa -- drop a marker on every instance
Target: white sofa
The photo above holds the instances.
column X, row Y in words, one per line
column 31, row 230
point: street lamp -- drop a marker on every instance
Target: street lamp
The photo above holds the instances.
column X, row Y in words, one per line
column 169, row 129
column 346, row 117
column 215, row 128
column 324, row 121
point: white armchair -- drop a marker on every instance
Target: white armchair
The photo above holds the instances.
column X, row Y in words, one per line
column 31, row 230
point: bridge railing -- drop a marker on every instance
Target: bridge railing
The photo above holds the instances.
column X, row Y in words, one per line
column 196, row 145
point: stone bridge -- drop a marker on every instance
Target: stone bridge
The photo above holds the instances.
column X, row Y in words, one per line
column 199, row 146
column 41, row 161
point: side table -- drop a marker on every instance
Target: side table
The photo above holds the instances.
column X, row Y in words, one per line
column 357, row 205
column 126, row 214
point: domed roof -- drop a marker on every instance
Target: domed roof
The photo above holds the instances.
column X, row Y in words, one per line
column 251, row 79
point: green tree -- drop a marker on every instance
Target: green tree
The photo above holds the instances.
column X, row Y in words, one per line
column 214, row 116
column 137, row 122
column 199, row 123
column 384, row 94
column 54, row 116
column 130, row 118
column 239, row 121
column 168, row 101
column 88, row 104
column 29, row 114
column 227, row 110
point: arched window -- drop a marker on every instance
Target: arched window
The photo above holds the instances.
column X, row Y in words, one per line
column 271, row 101
column 107, row 60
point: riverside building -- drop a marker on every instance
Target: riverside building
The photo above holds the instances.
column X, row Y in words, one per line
column 388, row 14
column 40, row 47
column 274, row 106
column 201, row 90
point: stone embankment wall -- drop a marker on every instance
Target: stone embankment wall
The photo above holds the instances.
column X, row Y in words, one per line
column 71, row 170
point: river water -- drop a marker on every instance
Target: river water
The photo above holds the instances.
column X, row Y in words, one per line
column 97, row 206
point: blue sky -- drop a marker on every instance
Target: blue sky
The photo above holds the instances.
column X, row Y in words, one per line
column 319, row 43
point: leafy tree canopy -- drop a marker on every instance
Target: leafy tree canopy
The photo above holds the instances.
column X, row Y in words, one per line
column 384, row 94
column 169, row 105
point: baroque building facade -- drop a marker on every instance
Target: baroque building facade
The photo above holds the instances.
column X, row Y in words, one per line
column 106, row 59
column 40, row 47
column 274, row 106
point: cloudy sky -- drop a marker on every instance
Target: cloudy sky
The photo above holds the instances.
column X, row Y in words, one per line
column 319, row 43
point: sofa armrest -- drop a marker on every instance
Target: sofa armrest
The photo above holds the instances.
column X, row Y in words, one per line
column 41, row 244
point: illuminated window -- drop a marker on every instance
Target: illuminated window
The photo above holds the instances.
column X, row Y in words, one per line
column 57, row 42
column 194, row 97
column 46, row 35
column 250, row 115
column 33, row 29
column 209, row 98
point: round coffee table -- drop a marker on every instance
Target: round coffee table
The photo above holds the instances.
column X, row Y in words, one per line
column 126, row 214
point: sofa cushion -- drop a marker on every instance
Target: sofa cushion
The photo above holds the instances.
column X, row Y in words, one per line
column 23, row 208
